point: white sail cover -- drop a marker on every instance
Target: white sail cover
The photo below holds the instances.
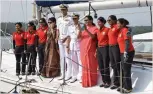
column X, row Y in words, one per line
column 105, row 4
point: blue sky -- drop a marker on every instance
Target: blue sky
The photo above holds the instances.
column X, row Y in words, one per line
column 21, row 10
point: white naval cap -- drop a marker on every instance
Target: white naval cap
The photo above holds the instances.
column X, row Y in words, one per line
column 75, row 15
column 63, row 6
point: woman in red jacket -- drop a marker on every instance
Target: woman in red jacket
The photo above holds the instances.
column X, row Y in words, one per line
column 103, row 52
column 127, row 53
column 18, row 46
column 41, row 37
column 114, row 52
column 30, row 37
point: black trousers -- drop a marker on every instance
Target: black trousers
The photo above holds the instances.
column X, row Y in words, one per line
column 103, row 61
column 126, row 67
column 31, row 59
column 41, row 51
column 114, row 54
column 19, row 54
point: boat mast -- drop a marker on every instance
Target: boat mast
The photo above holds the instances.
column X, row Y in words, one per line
column 36, row 11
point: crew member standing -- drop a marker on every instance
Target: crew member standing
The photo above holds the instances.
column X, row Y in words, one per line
column 74, row 48
column 18, row 46
column 63, row 22
column 127, row 54
column 41, row 37
column 87, row 50
column 103, row 52
column 30, row 37
column 114, row 52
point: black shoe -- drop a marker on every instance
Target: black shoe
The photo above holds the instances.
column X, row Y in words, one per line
column 23, row 73
column 106, row 85
column 114, row 87
column 29, row 73
column 17, row 74
column 119, row 89
column 33, row 73
column 102, row 85
column 38, row 73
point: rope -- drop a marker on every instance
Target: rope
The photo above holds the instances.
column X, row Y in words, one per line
column 8, row 16
column 88, row 70
column 26, row 16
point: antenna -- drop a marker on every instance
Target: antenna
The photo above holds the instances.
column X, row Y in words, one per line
column 95, row 14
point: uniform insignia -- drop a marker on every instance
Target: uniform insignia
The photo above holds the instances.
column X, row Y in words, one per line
column 66, row 20
column 103, row 33
column 15, row 36
column 120, row 35
column 59, row 16
column 113, row 29
column 21, row 35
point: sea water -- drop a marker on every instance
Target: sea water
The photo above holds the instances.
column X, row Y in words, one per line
column 6, row 42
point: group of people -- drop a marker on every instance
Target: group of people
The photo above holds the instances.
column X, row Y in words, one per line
column 77, row 51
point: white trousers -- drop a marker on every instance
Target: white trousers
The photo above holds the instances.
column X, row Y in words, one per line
column 68, row 65
column 76, row 65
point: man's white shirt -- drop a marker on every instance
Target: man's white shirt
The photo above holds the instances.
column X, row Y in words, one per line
column 62, row 25
column 73, row 32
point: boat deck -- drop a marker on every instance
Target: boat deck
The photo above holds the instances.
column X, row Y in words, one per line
column 141, row 78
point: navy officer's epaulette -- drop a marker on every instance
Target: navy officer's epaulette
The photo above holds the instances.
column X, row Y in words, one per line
column 59, row 16
column 69, row 15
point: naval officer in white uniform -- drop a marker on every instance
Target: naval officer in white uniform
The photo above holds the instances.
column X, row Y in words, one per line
column 74, row 48
column 63, row 22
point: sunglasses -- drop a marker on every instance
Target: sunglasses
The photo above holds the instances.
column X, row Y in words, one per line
column 108, row 20
column 41, row 22
column 85, row 20
column 74, row 18
column 30, row 25
column 50, row 22
column 63, row 9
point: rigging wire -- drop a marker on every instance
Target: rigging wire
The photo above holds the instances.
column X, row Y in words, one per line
column 22, row 9
column 26, row 16
column 24, row 13
column 151, row 14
